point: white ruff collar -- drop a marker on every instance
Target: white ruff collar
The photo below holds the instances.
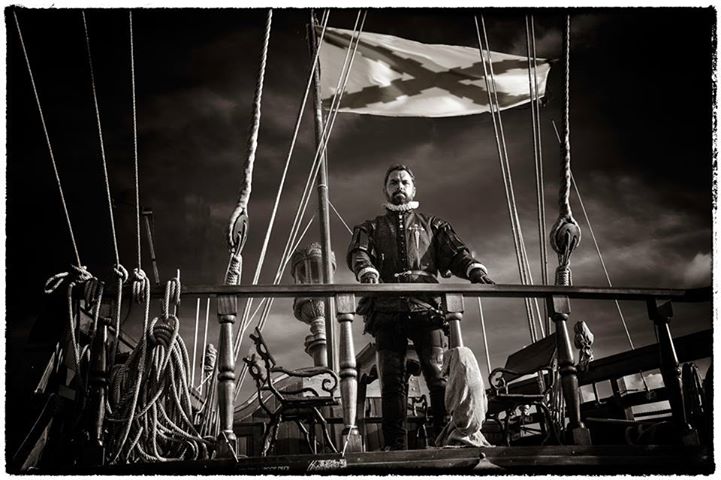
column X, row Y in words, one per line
column 404, row 207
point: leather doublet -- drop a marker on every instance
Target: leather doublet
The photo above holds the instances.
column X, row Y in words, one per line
column 407, row 247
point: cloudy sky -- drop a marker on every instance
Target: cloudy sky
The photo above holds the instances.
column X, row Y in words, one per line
column 641, row 119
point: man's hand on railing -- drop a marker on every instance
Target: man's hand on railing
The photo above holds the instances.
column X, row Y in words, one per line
column 370, row 277
column 477, row 275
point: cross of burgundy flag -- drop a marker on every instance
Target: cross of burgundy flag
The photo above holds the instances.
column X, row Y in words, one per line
column 396, row 77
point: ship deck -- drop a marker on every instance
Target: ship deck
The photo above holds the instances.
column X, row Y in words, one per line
column 664, row 459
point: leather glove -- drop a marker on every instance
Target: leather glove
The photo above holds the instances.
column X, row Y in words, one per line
column 370, row 277
column 477, row 275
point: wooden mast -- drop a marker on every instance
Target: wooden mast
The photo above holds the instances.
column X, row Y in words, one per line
column 323, row 213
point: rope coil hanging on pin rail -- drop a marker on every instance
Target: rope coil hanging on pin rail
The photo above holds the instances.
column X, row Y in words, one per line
column 92, row 292
column 141, row 285
column 172, row 296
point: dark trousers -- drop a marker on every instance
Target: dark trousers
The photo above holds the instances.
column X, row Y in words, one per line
column 392, row 337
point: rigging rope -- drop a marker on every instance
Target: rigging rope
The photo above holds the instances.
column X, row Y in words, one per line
column 598, row 250
column 120, row 271
column 246, row 188
column 537, row 144
column 524, row 270
column 566, row 234
column 320, row 151
column 78, row 274
column 304, row 199
column 267, row 304
column 135, row 138
column 544, row 257
column 340, row 217
column 281, row 185
column 78, row 263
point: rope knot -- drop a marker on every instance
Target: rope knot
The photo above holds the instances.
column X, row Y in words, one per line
column 141, row 285
column 121, row 272
column 77, row 274
column 80, row 273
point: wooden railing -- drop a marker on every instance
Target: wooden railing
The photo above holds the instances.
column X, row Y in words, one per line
column 657, row 300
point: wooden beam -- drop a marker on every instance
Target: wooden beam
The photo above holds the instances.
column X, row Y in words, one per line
column 466, row 289
column 689, row 347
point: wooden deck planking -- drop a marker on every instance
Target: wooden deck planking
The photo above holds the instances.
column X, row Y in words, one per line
column 494, row 460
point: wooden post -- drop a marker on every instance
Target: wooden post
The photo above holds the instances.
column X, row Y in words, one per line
column 147, row 215
column 559, row 309
column 227, row 311
column 99, row 385
column 345, row 308
column 454, row 315
column 671, row 370
column 323, row 212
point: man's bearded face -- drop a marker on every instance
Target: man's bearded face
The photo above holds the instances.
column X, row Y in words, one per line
column 400, row 187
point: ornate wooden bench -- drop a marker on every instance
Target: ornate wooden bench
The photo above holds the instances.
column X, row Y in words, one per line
column 300, row 402
column 508, row 409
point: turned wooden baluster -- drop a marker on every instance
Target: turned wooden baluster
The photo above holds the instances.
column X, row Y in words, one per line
column 227, row 311
column 454, row 315
column 671, row 370
column 559, row 308
column 345, row 312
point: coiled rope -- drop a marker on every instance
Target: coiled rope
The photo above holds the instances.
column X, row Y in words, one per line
column 154, row 407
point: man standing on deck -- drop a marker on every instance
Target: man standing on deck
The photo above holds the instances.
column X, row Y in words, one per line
column 406, row 246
